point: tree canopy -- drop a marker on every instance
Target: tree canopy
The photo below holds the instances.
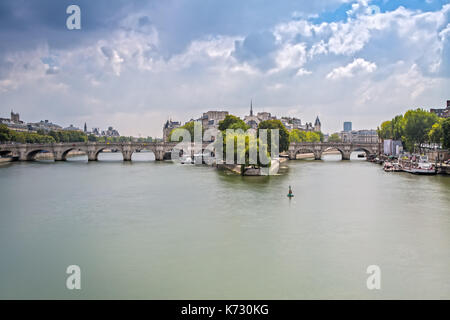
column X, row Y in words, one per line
column 232, row 122
column 334, row 138
column 414, row 128
column 297, row 135
column 283, row 133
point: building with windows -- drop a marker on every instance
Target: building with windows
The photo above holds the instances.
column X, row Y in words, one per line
column 44, row 125
column 211, row 119
column 442, row 113
column 359, row 136
column 71, row 128
column 347, row 126
column 111, row 132
column 168, row 127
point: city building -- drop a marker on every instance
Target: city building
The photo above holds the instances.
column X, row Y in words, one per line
column 347, row 126
column 251, row 120
column 44, row 125
column 168, row 127
column 359, row 136
column 295, row 123
column 14, row 122
column 443, row 112
column 71, row 128
column 211, row 119
column 317, row 125
column 111, row 132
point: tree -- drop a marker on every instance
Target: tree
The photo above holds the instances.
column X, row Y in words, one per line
column 189, row 127
column 241, row 149
column 385, row 131
column 446, row 133
column 283, row 133
column 334, row 138
column 397, row 127
column 232, row 122
column 417, row 124
column 435, row 135
column 297, row 135
column 4, row 133
column 92, row 138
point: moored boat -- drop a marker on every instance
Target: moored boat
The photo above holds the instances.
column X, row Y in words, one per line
column 417, row 165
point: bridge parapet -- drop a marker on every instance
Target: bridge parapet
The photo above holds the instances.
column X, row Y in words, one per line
column 27, row 151
column 317, row 148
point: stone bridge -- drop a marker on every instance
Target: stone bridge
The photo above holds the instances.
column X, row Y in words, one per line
column 27, row 152
column 317, row 148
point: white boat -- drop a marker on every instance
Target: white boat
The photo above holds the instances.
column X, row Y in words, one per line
column 186, row 159
column 422, row 166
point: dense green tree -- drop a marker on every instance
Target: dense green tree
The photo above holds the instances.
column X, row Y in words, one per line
column 297, row 135
column 435, row 135
column 446, row 133
column 232, row 122
column 283, row 133
column 385, row 130
column 417, row 124
column 397, row 127
column 92, row 138
column 4, row 133
column 241, row 150
column 334, row 138
column 189, row 127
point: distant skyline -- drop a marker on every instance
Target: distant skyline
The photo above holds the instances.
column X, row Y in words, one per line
column 135, row 64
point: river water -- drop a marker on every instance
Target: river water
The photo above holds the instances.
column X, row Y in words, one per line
column 162, row 230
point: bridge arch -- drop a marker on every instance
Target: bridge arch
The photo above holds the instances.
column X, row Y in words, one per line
column 136, row 154
column 303, row 150
column 337, row 148
column 5, row 153
column 31, row 154
column 94, row 155
column 63, row 155
column 364, row 149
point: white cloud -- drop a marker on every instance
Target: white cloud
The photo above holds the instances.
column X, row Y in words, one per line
column 124, row 80
column 358, row 66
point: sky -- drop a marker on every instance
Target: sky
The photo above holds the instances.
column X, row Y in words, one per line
column 135, row 64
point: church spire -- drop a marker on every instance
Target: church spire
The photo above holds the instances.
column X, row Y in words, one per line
column 251, row 107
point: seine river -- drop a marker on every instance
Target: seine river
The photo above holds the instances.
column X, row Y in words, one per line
column 147, row 230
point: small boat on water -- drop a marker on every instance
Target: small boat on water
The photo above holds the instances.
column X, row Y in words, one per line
column 390, row 166
column 417, row 165
column 361, row 155
column 186, row 159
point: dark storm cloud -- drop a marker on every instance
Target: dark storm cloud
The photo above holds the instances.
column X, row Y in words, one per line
column 256, row 49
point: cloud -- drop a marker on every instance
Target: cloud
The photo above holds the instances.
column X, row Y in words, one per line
column 358, row 66
column 175, row 59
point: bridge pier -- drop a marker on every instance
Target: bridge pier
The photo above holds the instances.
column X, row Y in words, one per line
column 346, row 156
column 92, row 156
column 159, row 155
column 127, row 155
column 317, row 155
column 59, row 156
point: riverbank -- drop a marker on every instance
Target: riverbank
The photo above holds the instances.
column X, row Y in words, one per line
column 262, row 171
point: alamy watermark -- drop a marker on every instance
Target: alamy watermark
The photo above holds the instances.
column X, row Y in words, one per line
column 73, row 21
column 374, row 280
column 73, row 281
